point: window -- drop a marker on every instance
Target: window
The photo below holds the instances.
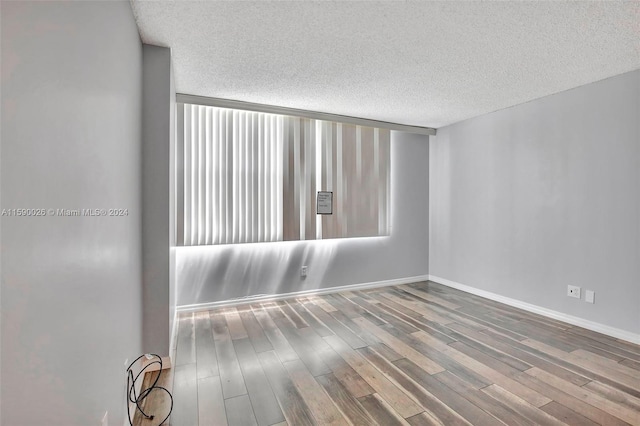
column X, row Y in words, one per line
column 253, row 177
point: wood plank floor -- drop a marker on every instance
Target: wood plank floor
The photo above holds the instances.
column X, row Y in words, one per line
column 418, row 354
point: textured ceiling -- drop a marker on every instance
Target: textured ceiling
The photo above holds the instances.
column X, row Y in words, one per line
column 419, row 63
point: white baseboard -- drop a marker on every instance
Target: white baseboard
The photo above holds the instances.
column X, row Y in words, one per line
column 271, row 297
column 174, row 336
column 570, row 319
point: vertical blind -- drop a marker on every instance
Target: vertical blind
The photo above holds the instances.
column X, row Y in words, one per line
column 253, row 177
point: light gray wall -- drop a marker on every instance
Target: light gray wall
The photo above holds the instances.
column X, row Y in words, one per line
column 158, row 105
column 71, row 286
column 213, row 273
column 527, row 200
column 172, row 206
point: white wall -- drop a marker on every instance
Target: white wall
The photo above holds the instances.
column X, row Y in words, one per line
column 215, row 273
column 158, row 141
column 71, row 286
column 173, row 207
column 527, row 200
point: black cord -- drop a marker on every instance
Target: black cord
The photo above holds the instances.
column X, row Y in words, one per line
column 137, row 399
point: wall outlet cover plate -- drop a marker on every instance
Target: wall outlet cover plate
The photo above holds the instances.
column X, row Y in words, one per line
column 573, row 291
column 590, row 296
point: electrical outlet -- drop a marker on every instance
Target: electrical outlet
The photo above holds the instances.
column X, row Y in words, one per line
column 303, row 271
column 573, row 291
column 590, row 296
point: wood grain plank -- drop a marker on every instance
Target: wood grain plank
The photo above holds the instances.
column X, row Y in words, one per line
column 387, row 300
column 354, row 328
column 211, row 408
column 485, row 358
column 185, row 395
column 230, row 373
column 587, row 369
column 424, row 419
column 506, row 346
column 134, row 412
column 611, row 368
column 482, row 343
column 264, row 403
column 312, row 338
column 256, row 334
column 429, row 297
column 619, row 349
column 322, row 407
column 420, row 324
column 565, row 415
column 186, row 346
column 611, row 341
column 434, row 407
column 415, row 305
column 426, row 344
column 535, row 398
column 239, row 412
column 399, row 400
column 631, row 364
column 278, row 341
column 338, row 328
column 461, row 406
column 630, row 416
column 399, row 346
column 521, row 406
column 554, row 339
column 588, row 345
column 477, row 322
column 309, row 319
column 234, row 324
column 349, row 378
column 319, row 301
column 346, row 401
column 542, row 347
column 365, row 294
column 593, row 413
column 295, row 410
column 492, row 406
column 381, row 411
column 293, row 316
column 539, row 321
column 206, row 359
column 382, row 316
column 615, row 395
column 468, row 320
column 302, row 344
column 158, row 402
column 350, row 309
column 431, row 341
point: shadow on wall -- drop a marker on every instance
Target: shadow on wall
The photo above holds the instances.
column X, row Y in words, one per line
column 241, row 270
column 206, row 274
